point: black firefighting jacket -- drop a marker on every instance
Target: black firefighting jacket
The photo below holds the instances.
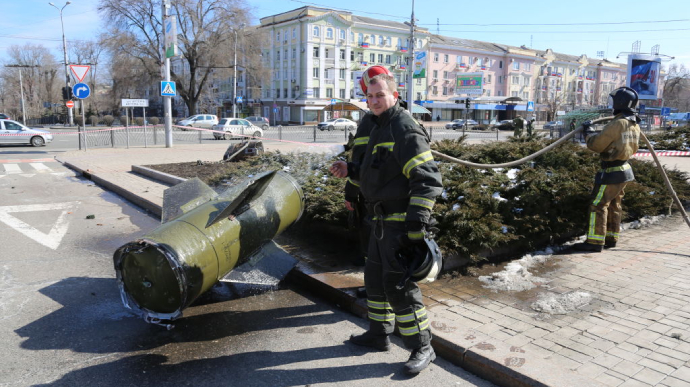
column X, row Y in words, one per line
column 397, row 175
column 359, row 146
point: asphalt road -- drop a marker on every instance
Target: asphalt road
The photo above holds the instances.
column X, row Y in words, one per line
column 62, row 321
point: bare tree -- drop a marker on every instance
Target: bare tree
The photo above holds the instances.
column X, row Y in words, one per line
column 89, row 52
column 38, row 79
column 677, row 87
column 205, row 36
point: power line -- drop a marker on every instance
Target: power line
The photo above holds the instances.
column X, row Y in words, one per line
column 558, row 24
column 566, row 32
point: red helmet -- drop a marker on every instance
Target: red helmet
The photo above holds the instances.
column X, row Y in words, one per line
column 370, row 73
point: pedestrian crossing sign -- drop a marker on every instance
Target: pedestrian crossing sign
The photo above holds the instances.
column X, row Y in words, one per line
column 168, row 89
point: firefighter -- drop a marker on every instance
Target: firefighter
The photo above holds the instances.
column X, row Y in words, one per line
column 399, row 181
column 616, row 143
column 530, row 127
column 519, row 124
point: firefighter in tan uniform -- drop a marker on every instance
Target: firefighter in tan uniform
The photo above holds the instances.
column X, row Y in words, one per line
column 616, row 143
column 399, row 181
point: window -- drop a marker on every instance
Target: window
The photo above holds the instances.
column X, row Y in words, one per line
column 419, row 81
column 436, row 57
column 380, row 58
column 458, row 59
column 342, row 54
column 488, row 78
column 528, row 67
column 372, row 58
column 435, row 74
column 500, row 64
column 329, row 33
column 285, row 52
column 342, row 93
column 316, row 92
column 342, row 34
column 388, row 59
column 352, row 55
column 325, row 53
column 315, row 31
column 514, row 93
column 360, row 38
column 388, row 41
column 352, row 36
column 434, row 90
column 526, row 81
column 285, row 94
column 419, row 96
column 516, row 66
column 329, row 93
column 372, row 39
column 342, row 73
column 445, row 90
column 488, row 93
column 277, row 36
column 445, row 58
column 516, row 81
column 316, row 52
column 294, row 53
column 445, row 75
column 316, row 72
column 277, row 55
column 294, row 33
column 525, row 95
column 399, row 43
column 360, row 57
column 381, row 40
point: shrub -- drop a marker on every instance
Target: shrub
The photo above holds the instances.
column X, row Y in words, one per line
column 123, row 120
column 154, row 120
column 78, row 120
column 93, row 120
column 108, row 120
column 139, row 121
column 676, row 139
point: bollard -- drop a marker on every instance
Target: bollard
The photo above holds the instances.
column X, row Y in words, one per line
column 146, row 145
column 280, row 132
column 199, row 136
column 155, row 139
column 112, row 138
column 314, row 133
column 431, row 133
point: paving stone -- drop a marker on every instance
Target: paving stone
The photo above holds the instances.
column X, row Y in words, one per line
column 590, row 369
column 634, row 383
column 501, row 335
column 673, row 353
column 609, row 380
column 543, row 343
column 602, row 345
column 642, row 343
column 535, row 333
column 606, row 360
column 650, row 376
column 682, row 373
column 574, row 355
column 627, row 368
column 657, row 366
column 518, row 340
column 623, row 354
column 664, row 359
column 581, row 339
column 667, row 342
column 673, row 382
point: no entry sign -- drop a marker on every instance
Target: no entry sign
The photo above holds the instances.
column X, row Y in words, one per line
column 69, row 104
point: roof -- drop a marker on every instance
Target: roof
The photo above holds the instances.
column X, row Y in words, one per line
column 416, row 109
column 349, row 106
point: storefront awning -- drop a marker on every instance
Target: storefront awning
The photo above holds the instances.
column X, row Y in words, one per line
column 416, row 109
column 347, row 106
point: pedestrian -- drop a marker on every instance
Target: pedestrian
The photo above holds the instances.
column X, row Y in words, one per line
column 399, row 181
column 616, row 143
column 519, row 125
column 572, row 125
column 438, row 118
column 530, row 127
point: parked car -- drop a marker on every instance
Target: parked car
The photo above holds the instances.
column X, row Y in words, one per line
column 12, row 132
column 337, row 123
column 505, row 125
column 4, row 116
column 259, row 121
column 553, row 124
column 450, row 124
column 199, row 121
column 461, row 123
column 229, row 128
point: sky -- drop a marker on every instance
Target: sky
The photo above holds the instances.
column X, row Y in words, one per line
column 569, row 27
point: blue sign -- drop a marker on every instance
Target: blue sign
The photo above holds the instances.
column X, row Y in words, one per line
column 239, row 99
column 665, row 111
column 81, row 90
column 168, row 89
column 642, row 108
column 530, row 106
column 334, row 100
column 275, row 110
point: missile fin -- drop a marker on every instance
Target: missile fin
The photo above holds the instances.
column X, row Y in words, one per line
column 184, row 197
column 254, row 189
column 267, row 267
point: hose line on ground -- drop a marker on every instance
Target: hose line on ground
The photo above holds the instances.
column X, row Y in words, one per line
column 561, row 141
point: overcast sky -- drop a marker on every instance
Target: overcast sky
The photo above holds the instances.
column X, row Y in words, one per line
column 577, row 27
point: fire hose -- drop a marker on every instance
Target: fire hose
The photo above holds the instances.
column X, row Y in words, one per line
column 560, row 141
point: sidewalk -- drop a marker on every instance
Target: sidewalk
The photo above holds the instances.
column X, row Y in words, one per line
column 618, row 318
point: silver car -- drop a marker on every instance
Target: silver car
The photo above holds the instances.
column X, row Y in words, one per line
column 229, row 128
column 205, row 121
column 12, row 132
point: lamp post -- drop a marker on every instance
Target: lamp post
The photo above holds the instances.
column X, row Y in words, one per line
column 234, row 77
column 64, row 50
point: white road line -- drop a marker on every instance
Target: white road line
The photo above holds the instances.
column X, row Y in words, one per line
column 40, row 167
column 56, row 233
column 12, row 168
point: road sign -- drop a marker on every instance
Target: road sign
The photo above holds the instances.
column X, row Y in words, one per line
column 81, row 90
column 275, row 110
column 530, row 106
column 333, row 101
column 665, row 111
column 135, row 103
column 239, row 99
column 69, row 104
column 642, row 109
column 79, row 71
column 168, row 89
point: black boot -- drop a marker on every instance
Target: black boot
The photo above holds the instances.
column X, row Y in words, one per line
column 609, row 244
column 420, row 359
column 372, row 340
column 588, row 247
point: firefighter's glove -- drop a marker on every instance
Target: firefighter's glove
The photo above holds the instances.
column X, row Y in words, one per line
column 587, row 128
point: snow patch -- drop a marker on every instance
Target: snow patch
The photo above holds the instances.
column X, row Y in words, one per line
column 553, row 303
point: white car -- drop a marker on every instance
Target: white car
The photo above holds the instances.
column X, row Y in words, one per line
column 12, row 132
column 205, row 121
column 337, row 123
column 229, row 128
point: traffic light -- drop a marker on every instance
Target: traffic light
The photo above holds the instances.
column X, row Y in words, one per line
column 467, row 103
column 67, row 93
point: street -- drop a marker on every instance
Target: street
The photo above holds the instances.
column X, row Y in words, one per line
column 63, row 322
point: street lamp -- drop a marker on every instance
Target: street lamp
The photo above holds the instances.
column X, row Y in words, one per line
column 234, row 77
column 64, row 50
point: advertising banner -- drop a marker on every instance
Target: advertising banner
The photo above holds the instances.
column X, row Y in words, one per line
column 170, row 25
column 469, row 83
column 419, row 65
column 359, row 94
column 643, row 75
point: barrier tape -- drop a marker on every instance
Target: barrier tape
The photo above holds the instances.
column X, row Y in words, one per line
column 663, row 153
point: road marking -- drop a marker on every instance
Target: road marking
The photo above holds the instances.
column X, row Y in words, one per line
column 12, row 168
column 40, row 167
column 56, row 233
column 25, row 161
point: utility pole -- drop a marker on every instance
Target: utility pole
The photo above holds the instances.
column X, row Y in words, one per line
column 167, row 100
column 21, row 87
column 64, row 50
column 234, row 78
column 410, row 86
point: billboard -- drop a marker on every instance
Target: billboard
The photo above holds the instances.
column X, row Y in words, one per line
column 357, row 75
column 643, row 75
column 469, row 83
column 419, row 65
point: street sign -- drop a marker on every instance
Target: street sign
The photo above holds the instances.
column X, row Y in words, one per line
column 69, row 104
column 239, row 99
column 79, row 71
column 275, row 110
column 642, row 109
column 168, row 89
column 333, row 101
column 530, row 106
column 135, row 103
column 665, row 111
column 81, row 90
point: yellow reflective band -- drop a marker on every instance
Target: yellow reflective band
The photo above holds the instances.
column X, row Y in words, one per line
column 592, row 223
column 419, row 313
column 361, row 141
column 415, row 161
column 415, row 235
column 623, row 167
column 387, row 145
column 378, row 304
column 381, row 317
column 422, row 202
column 392, row 218
column 600, row 194
column 352, row 182
column 424, row 325
column 612, row 234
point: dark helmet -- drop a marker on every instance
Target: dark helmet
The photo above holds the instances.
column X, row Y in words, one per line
column 430, row 266
column 623, row 98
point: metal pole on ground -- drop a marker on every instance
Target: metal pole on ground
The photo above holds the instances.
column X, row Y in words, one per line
column 145, row 140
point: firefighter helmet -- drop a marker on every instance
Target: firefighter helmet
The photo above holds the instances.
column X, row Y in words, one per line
column 370, row 73
column 421, row 262
column 623, row 98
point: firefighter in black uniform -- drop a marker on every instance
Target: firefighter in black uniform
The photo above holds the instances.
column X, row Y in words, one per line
column 616, row 143
column 400, row 182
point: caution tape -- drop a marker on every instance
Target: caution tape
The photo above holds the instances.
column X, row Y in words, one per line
column 663, row 153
